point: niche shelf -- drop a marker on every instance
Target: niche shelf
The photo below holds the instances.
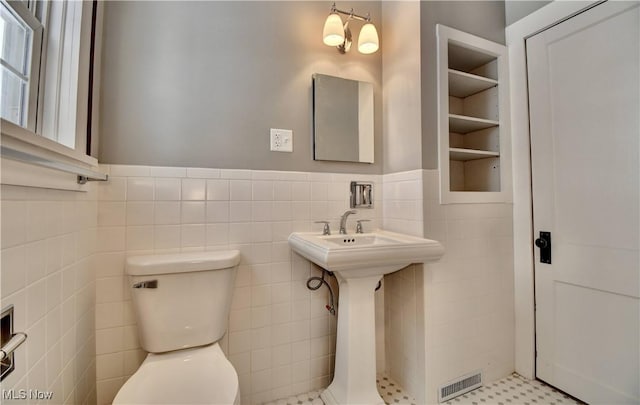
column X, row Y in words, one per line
column 473, row 119
column 462, row 84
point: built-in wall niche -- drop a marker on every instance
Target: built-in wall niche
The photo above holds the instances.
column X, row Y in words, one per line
column 472, row 118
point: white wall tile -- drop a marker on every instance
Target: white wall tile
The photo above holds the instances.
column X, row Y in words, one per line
column 281, row 211
column 139, row 238
column 203, row 173
column 239, row 342
column 260, row 317
column 260, row 381
column 167, row 212
column 36, row 220
column 132, row 360
column 193, row 235
column 109, row 365
column 217, row 211
column 107, row 390
column 193, row 189
column 235, row 174
column 217, row 234
column 260, row 336
column 157, row 171
column 193, row 212
column 139, row 189
column 218, row 190
column 109, row 289
column 130, row 171
column 56, row 228
column 36, row 301
column 300, row 210
column 262, row 190
column 282, row 190
column 130, row 338
column 109, row 340
column 113, row 190
column 14, row 223
column 54, row 254
column 300, row 191
column 261, row 211
column 111, row 239
column 37, row 343
column 260, row 359
column 260, row 295
column 261, row 232
column 36, row 261
column 139, row 213
column 239, row 232
column 13, row 274
column 254, row 212
column 54, row 290
column 167, row 189
column 240, row 211
column 239, row 320
column 240, row 190
column 109, row 315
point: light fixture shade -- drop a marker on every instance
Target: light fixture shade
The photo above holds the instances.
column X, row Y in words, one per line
column 368, row 39
column 333, row 32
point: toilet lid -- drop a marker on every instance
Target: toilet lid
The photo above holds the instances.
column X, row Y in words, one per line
column 201, row 375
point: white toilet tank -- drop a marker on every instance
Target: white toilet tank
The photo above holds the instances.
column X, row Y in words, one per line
column 182, row 300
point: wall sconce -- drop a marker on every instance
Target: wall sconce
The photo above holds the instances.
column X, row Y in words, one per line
column 339, row 35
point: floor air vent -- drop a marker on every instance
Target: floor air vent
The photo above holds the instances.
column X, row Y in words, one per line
column 460, row 386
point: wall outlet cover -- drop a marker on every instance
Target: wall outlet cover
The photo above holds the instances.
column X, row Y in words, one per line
column 281, row 140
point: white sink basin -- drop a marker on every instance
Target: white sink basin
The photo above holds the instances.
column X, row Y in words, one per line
column 365, row 254
column 359, row 261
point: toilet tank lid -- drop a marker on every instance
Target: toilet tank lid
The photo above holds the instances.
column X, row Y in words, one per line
column 181, row 262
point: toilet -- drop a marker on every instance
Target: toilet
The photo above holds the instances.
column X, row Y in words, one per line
column 182, row 304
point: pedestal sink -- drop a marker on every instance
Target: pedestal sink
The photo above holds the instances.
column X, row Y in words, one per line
column 359, row 262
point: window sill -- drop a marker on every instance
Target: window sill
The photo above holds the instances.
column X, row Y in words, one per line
column 30, row 175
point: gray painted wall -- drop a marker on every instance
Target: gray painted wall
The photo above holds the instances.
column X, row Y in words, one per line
column 482, row 18
column 402, row 131
column 515, row 10
column 200, row 83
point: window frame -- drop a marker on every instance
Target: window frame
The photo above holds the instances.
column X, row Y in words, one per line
column 28, row 139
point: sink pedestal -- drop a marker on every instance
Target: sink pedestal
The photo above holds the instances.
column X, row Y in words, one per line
column 354, row 380
column 359, row 261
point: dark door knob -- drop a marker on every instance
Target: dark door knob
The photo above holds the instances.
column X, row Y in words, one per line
column 542, row 243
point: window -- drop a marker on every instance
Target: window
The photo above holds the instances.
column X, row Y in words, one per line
column 46, row 64
column 20, row 35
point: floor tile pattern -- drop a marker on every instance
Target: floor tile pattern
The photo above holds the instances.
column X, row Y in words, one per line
column 513, row 390
column 391, row 392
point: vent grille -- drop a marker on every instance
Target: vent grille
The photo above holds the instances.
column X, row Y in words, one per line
column 460, row 386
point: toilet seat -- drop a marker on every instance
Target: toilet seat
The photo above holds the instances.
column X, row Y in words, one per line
column 201, row 375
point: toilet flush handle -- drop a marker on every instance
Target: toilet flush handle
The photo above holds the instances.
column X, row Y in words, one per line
column 146, row 284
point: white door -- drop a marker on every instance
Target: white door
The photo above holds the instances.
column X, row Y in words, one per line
column 585, row 110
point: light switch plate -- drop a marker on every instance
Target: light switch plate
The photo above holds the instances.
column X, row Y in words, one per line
column 281, row 140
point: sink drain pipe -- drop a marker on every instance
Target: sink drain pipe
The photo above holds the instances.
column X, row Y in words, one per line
column 315, row 282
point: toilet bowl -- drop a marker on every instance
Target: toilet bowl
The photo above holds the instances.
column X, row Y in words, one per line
column 182, row 304
column 189, row 376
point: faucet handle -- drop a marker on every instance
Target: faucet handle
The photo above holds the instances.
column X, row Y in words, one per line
column 326, row 230
column 359, row 225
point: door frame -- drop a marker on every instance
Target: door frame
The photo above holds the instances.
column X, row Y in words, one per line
column 524, row 299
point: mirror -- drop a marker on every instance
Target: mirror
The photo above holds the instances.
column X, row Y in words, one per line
column 342, row 119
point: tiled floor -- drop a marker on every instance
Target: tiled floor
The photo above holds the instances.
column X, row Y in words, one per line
column 514, row 390
column 391, row 392
column 508, row 391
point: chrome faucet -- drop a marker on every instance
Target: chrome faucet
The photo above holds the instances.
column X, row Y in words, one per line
column 343, row 221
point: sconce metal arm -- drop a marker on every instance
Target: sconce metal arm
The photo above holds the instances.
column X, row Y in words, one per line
column 351, row 14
